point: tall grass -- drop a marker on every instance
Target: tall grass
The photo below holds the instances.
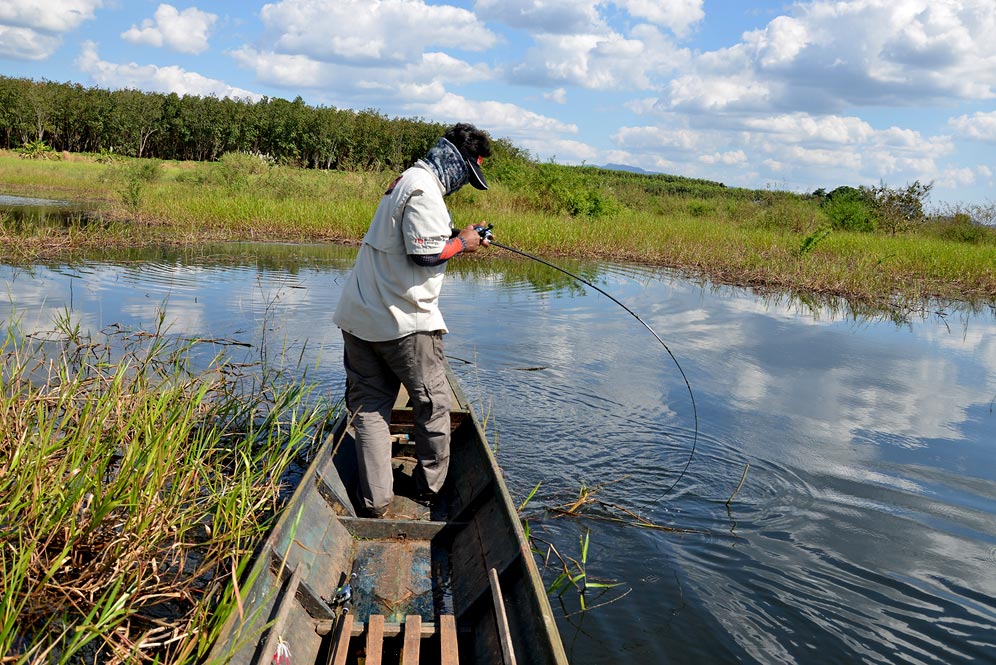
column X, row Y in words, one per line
column 131, row 489
column 760, row 238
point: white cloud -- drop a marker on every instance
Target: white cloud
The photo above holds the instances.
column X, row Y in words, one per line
column 954, row 178
column 421, row 82
column 677, row 15
column 730, row 158
column 567, row 17
column 52, row 16
column 821, row 129
column 564, row 151
column 827, row 56
column 368, row 32
column 30, row 30
column 186, row 31
column 26, row 44
column 979, row 126
column 599, row 61
column 153, row 78
column 558, row 96
column 560, row 17
column 498, row 117
column 655, row 138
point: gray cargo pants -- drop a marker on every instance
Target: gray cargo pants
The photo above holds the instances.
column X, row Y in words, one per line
column 374, row 373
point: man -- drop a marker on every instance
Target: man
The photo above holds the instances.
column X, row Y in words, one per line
column 389, row 315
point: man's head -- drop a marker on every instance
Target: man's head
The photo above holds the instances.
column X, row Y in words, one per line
column 474, row 145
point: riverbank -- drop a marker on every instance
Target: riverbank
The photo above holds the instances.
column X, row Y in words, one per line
column 762, row 240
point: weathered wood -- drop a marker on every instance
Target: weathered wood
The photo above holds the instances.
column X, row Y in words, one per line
column 375, row 639
column 507, row 649
column 417, row 564
column 340, row 644
column 286, row 603
column 448, row 647
column 391, row 628
column 413, row 639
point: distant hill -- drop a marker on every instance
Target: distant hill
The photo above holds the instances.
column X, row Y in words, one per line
column 625, row 167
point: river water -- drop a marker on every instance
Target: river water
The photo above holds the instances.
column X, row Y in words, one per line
column 865, row 528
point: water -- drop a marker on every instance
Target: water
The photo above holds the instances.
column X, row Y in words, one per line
column 865, row 530
column 29, row 210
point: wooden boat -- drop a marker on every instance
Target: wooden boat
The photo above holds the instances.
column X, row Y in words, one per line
column 453, row 583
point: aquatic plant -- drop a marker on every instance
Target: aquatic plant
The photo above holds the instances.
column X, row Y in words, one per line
column 132, row 489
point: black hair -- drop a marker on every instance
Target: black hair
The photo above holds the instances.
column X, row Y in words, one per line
column 469, row 139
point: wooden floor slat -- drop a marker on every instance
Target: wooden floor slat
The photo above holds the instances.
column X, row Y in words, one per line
column 375, row 639
column 448, row 651
column 413, row 639
column 340, row 648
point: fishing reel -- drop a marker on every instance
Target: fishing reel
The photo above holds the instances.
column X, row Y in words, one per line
column 485, row 233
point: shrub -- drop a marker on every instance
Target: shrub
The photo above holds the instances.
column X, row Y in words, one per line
column 849, row 210
column 238, row 169
column 562, row 189
column 900, row 209
column 37, row 150
column 959, row 228
column 699, row 208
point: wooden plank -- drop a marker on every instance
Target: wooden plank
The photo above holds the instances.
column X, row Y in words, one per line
column 375, row 638
column 340, row 646
column 413, row 639
column 288, row 600
column 448, row 652
column 506, row 638
column 429, row 628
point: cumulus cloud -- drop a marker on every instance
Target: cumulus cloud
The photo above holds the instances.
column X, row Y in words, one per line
column 599, row 61
column 421, row 81
column 566, row 17
column 979, row 126
column 499, row 117
column 186, row 31
column 30, row 30
column 26, row 44
column 828, row 55
column 731, row 158
column 52, row 16
column 370, row 32
column 154, row 78
column 677, row 15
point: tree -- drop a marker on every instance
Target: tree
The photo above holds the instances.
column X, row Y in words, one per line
column 901, row 209
column 138, row 116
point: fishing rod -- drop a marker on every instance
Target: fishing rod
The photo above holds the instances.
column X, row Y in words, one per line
column 487, row 238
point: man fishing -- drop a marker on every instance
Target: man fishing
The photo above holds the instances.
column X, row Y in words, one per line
column 390, row 320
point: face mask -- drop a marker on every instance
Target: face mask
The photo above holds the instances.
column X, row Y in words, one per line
column 448, row 164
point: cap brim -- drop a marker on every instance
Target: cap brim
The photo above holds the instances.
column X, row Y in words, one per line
column 476, row 177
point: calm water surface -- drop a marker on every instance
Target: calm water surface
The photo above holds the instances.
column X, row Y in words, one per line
column 865, row 530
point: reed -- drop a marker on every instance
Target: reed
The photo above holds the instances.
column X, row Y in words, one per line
column 132, row 488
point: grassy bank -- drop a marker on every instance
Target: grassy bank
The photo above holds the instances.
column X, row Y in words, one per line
column 762, row 239
column 132, row 490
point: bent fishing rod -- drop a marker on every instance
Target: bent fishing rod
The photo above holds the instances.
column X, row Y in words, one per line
column 487, row 238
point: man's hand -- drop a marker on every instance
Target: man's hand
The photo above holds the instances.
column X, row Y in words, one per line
column 471, row 239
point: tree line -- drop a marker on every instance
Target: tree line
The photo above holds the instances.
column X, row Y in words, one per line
column 71, row 117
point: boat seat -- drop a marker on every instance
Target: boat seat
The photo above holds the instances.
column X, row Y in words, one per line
column 414, row 630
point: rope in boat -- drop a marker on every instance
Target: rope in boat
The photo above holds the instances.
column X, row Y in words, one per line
column 486, row 234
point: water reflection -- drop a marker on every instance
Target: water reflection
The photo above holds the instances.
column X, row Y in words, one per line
column 865, row 529
column 20, row 210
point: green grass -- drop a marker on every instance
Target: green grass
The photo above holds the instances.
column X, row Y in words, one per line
column 131, row 490
column 763, row 239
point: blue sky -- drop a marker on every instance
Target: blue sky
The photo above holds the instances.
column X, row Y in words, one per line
column 791, row 96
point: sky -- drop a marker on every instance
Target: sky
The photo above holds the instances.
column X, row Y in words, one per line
column 787, row 96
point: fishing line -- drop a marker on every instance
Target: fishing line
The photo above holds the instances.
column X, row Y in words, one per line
column 688, row 385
